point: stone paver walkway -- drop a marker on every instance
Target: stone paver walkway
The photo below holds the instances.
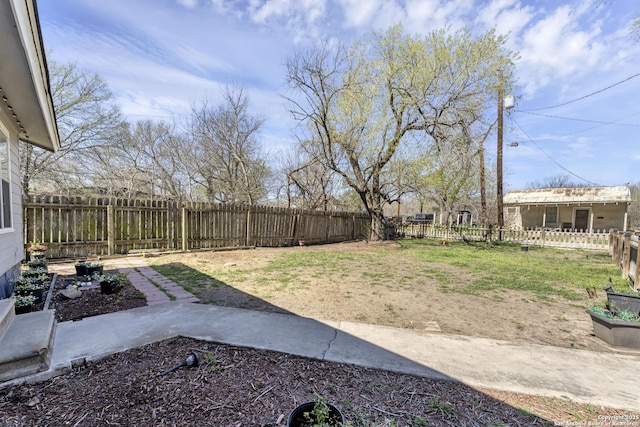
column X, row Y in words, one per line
column 143, row 277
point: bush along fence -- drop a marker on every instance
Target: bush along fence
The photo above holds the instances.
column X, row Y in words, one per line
column 625, row 254
column 78, row 227
column 598, row 240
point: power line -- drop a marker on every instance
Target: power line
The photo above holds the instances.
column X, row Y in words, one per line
column 549, row 157
column 588, row 95
column 583, row 120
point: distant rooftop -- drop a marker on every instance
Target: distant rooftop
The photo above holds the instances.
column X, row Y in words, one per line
column 569, row 195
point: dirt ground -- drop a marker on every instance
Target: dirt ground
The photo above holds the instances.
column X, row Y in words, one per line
column 395, row 291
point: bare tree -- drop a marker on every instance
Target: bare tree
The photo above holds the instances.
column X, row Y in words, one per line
column 309, row 184
column 557, row 181
column 147, row 161
column 226, row 153
column 86, row 117
column 359, row 103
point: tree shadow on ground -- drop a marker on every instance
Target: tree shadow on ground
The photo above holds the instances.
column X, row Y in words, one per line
column 215, row 292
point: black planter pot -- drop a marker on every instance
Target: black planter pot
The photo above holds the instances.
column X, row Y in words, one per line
column 81, row 270
column 109, row 286
column 23, row 309
column 38, row 293
column 297, row 417
column 618, row 302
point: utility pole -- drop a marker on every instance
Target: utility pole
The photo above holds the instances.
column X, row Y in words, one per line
column 499, row 190
column 499, row 161
column 483, row 192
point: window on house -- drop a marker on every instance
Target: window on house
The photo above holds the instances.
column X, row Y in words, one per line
column 552, row 214
column 5, row 191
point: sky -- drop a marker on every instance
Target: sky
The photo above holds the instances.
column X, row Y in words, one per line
column 578, row 76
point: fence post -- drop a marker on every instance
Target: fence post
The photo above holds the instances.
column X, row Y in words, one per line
column 247, row 243
column 185, row 229
column 636, row 277
column 626, row 256
column 611, row 246
column 111, row 230
column 619, row 249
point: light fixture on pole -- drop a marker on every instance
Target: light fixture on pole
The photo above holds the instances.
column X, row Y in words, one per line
column 504, row 102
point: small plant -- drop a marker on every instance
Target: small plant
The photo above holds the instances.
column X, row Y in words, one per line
column 625, row 315
column 23, row 281
column 88, row 264
column 596, row 309
column 28, row 286
column 628, row 316
column 321, row 415
column 94, row 264
column 23, row 300
column 442, row 407
column 213, row 362
column 33, row 272
column 110, row 283
column 37, row 263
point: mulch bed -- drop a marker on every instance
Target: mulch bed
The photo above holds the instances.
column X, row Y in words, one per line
column 236, row 386
column 92, row 302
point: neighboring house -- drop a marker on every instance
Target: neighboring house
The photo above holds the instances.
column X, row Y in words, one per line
column 26, row 114
column 584, row 209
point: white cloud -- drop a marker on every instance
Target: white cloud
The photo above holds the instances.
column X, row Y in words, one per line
column 507, row 16
column 417, row 16
column 357, row 13
column 556, row 47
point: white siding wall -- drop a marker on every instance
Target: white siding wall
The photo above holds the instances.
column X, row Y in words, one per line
column 11, row 246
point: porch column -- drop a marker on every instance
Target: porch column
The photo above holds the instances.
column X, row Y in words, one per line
column 624, row 225
column 591, row 221
column 544, row 216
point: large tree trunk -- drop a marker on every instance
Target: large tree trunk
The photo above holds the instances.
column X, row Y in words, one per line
column 373, row 204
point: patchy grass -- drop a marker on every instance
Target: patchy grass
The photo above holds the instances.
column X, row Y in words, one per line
column 488, row 290
column 541, row 271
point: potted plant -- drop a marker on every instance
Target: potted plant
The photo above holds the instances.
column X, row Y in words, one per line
column 23, row 280
column 81, row 268
column 23, row 304
column 42, row 279
column 37, row 263
column 94, row 268
column 318, row 413
column 30, row 288
column 619, row 300
column 84, row 268
column 32, row 272
column 618, row 328
column 109, row 284
column 37, row 250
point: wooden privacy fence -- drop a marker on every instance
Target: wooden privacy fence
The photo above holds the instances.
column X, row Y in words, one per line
column 599, row 240
column 78, row 227
column 625, row 254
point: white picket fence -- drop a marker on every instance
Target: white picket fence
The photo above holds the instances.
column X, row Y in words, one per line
column 597, row 240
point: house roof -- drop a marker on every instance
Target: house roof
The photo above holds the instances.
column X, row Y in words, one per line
column 619, row 194
column 25, row 92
